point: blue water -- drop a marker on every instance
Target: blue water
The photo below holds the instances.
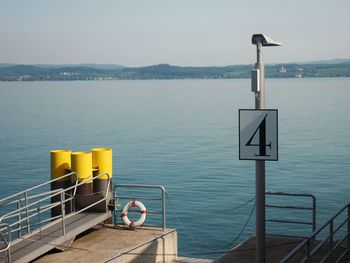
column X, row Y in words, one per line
column 183, row 134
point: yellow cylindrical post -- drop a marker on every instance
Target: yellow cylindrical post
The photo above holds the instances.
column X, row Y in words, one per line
column 102, row 161
column 60, row 166
column 82, row 165
column 60, row 163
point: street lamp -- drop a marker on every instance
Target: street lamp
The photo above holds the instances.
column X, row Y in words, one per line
column 258, row 87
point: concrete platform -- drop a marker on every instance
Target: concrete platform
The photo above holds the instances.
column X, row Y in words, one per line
column 108, row 244
column 276, row 249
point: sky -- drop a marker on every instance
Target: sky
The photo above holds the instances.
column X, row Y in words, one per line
column 178, row 32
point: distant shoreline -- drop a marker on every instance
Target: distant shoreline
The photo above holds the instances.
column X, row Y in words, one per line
column 165, row 71
column 97, row 80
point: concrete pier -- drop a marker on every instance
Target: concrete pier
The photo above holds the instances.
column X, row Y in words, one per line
column 109, row 244
column 276, row 249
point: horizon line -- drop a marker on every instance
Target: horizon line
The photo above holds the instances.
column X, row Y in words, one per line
column 124, row 66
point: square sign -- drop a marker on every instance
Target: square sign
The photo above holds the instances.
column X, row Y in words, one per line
column 258, row 135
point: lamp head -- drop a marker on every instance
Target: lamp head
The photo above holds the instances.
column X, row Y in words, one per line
column 264, row 40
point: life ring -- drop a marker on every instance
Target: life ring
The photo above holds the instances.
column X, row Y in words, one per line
column 143, row 211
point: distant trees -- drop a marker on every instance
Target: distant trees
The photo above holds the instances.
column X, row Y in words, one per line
column 166, row 71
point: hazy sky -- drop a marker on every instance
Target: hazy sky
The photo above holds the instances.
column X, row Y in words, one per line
column 178, row 32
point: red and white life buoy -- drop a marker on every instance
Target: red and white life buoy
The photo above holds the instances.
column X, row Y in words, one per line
column 141, row 220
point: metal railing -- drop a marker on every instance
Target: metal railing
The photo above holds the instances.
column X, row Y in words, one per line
column 311, row 208
column 162, row 198
column 5, row 241
column 22, row 207
column 21, row 219
column 329, row 249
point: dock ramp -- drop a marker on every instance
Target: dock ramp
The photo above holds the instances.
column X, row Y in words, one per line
column 39, row 219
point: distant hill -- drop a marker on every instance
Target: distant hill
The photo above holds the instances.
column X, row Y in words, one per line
column 102, row 66
column 165, row 71
column 22, row 70
column 4, row 65
column 87, row 65
column 329, row 61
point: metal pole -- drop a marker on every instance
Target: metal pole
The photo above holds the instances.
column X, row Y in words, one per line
column 348, row 226
column 163, row 208
column 19, row 218
column 260, row 167
column 115, row 201
column 27, row 211
column 331, row 239
column 313, row 214
column 63, row 214
column 258, row 86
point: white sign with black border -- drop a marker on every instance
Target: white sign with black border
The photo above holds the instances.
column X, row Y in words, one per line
column 258, row 134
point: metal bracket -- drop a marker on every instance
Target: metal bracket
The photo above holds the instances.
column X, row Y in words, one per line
column 255, row 80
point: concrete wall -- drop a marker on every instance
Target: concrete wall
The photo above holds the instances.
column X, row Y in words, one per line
column 160, row 250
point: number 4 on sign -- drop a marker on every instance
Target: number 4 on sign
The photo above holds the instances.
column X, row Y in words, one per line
column 258, row 135
column 262, row 138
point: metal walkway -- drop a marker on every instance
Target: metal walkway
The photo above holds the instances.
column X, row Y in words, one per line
column 27, row 249
column 37, row 220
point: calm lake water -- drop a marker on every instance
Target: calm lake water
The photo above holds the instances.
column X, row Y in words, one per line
column 183, row 134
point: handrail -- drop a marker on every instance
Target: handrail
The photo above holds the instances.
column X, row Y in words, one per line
column 8, row 243
column 5, row 241
column 162, row 198
column 38, row 186
column 312, row 251
column 48, row 207
column 7, row 201
column 28, row 211
column 15, row 212
column 31, row 197
column 294, row 207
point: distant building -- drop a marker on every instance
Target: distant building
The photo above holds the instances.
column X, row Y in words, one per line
column 283, row 70
column 299, row 73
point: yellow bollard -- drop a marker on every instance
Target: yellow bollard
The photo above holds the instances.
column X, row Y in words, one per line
column 60, row 166
column 82, row 165
column 102, row 161
column 60, row 163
